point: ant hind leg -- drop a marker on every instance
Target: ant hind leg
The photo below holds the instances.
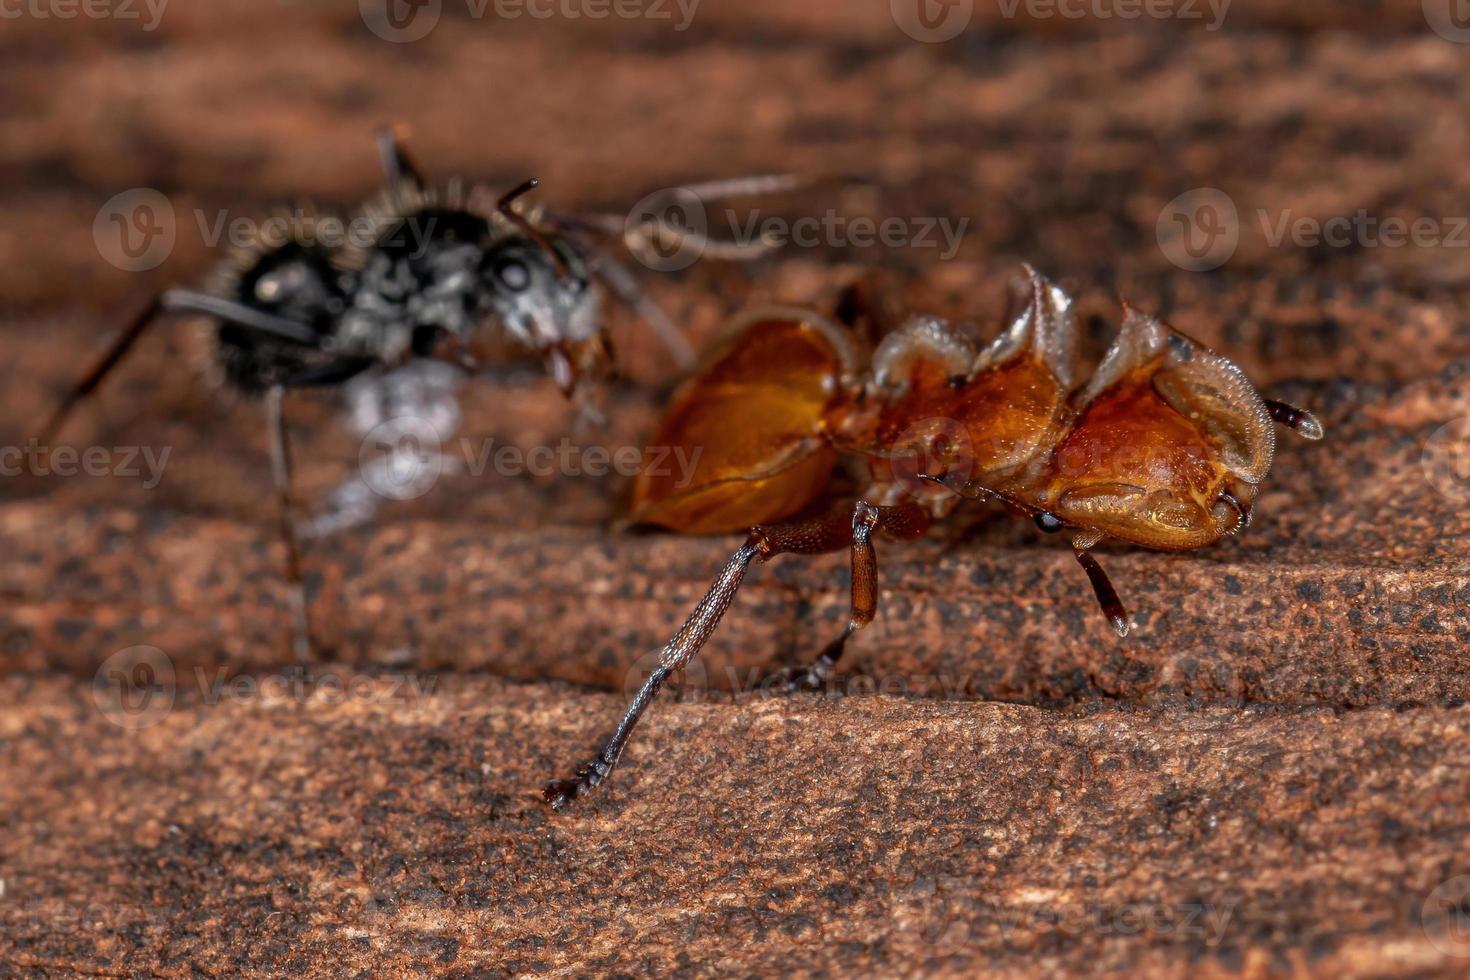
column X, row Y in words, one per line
column 835, row 531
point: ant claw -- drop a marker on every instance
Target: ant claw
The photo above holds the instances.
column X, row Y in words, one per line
column 796, row 680
column 560, row 793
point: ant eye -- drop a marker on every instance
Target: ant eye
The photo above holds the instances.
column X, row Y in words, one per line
column 514, row 276
column 1050, row 523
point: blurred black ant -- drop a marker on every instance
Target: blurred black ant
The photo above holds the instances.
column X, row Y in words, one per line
column 396, row 324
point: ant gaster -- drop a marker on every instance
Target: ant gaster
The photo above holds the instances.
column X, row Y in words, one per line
column 1165, row 447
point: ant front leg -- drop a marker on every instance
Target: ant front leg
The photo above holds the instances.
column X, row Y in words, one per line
column 812, row 537
column 281, row 472
column 1102, row 586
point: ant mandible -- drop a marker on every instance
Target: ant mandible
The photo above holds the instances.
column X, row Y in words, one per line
column 396, row 321
column 1165, row 447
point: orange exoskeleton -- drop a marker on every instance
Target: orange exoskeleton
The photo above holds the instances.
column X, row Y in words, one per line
column 1165, row 447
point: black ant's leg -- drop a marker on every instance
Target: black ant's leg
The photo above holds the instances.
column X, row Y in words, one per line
column 1102, row 586
column 616, row 277
column 1299, row 420
column 79, row 392
column 398, row 165
column 281, row 472
column 833, row 532
column 172, row 301
column 189, row 301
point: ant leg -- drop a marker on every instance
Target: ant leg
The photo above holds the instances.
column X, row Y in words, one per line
column 810, row 537
column 1102, row 586
column 1301, row 421
column 686, row 643
column 79, row 392
column 864, row 306
column 172, row 301
column 902, row 522
column 398, row 166
column 281, row 472
column 625, row 287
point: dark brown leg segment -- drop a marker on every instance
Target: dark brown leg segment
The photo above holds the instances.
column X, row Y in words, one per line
column 1102, row 587
column 831, row 533
column 398, row 165
column 173, row 301
column 1299, row 420
column 902, row 522
column 281, row 473
column 126, row 338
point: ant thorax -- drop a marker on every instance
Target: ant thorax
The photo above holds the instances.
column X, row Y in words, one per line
column 417, row 284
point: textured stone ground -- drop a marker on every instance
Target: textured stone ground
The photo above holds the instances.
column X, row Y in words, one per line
column 1269, row 777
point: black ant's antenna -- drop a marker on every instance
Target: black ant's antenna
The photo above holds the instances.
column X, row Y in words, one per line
column 504, row 207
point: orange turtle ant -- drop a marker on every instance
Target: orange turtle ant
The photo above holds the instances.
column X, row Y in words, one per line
column 1165, row 447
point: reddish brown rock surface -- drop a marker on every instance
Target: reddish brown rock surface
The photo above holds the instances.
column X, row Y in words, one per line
column 1268, row 777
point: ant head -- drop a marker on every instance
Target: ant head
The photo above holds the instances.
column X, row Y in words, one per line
column 1168, row 447
column 539, row 289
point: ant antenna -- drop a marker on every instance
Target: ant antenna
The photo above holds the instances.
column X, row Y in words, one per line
column 504, row 208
